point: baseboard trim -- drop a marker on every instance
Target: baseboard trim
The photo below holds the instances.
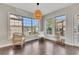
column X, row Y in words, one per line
column 7, row 45
column 66, row 43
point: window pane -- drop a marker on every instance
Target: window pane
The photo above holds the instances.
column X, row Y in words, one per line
column 34, row 22
column 60, row 25
column 27, row 26
column 27, row 21
column 15, row 25
column 34, row 26
column 11, row 22
column 49, row 26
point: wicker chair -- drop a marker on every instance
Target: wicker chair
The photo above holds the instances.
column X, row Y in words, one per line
column 18, row 39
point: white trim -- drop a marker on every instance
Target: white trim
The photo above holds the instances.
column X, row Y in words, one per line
column 34, row 38
column 6, row 45
column 10, row 44
column 67, row 43
column 71, row 44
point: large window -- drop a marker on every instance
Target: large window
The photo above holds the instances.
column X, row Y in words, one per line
column 60, row 25
column 35, row 26
column 27, row 26
column 24, row 25
column 15, row 24
column 30, row 26
column 49, row 26
column 76, row 30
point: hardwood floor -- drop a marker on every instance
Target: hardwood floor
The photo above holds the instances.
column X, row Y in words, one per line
column 40, row 48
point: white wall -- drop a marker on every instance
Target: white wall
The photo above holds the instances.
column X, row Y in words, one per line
column 69, row 12
column 4, row 21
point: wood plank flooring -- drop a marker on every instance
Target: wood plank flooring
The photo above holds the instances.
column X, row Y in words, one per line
column 40, row 48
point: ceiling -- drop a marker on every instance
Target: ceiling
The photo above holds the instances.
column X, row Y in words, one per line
column 44, row 7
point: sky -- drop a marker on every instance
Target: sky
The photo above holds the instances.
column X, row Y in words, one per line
column 60, row 17
column 28, row 22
